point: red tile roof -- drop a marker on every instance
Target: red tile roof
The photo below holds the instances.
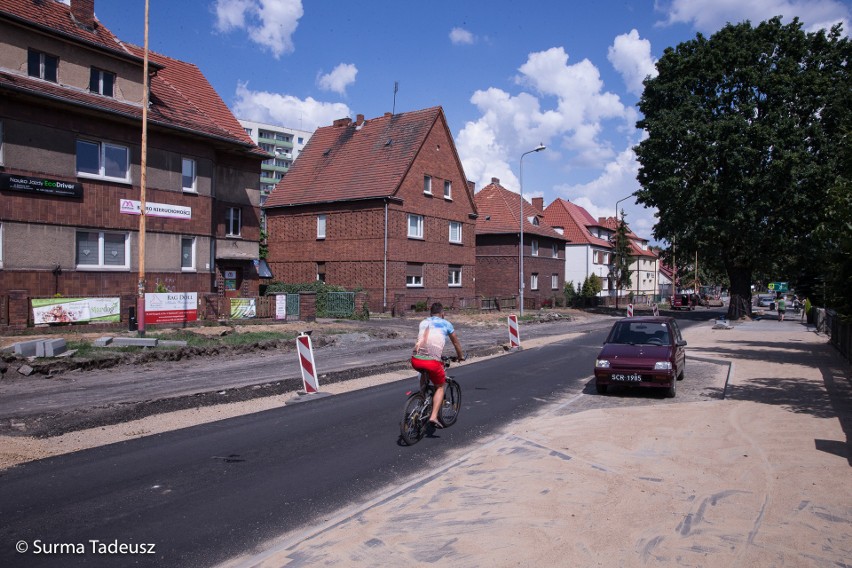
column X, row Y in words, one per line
column 575, row 222
column 349, row 161
column 182, row 97
column 500, row 209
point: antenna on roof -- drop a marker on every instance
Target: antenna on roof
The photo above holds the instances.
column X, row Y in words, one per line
column 395, row 89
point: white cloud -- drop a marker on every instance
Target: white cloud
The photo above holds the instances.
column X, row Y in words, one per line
column 631, row 57
column 286, row 110
column 341, row 77
column 269, row 23
column 512, row 124
column 460, row 36
column 711, row 15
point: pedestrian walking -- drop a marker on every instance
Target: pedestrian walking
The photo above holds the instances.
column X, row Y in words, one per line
column 782, row 307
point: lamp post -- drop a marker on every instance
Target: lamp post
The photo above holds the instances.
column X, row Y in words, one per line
column 539, row 148
column 617, row 225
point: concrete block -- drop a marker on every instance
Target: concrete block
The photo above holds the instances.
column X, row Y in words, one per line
column 51, row 347
column 25, row 370
column 26, row 348
column 170, row 343
column 134, row 342
column 102, row 341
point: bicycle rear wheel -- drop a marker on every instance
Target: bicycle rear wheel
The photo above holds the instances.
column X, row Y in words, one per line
column 452, row 403
column 413, row 425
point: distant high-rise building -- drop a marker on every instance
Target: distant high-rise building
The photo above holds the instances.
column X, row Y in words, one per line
column 283, row 143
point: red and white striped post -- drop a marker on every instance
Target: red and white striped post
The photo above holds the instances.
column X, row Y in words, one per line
column 306, row 363
column 630, row 310
column 514, row 334
column 656, row 309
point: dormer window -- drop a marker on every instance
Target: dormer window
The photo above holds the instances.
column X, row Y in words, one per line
column 42, row 65
column 101, row 82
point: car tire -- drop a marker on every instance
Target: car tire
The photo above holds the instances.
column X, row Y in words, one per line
column 601, row 389
column 671, row 392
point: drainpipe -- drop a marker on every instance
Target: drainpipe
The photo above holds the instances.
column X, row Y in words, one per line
column 385, row 275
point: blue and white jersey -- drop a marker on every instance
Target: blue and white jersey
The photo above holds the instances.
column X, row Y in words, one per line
column 431, row 337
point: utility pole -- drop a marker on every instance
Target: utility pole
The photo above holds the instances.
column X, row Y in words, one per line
column 143, row 178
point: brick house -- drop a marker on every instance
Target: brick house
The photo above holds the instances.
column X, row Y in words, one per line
column 497, row 255
column 381, row 205
column 70, row 165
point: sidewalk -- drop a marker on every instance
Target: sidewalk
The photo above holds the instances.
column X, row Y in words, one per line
column 760, row 478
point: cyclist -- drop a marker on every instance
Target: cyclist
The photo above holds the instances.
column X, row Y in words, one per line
column 426, row 358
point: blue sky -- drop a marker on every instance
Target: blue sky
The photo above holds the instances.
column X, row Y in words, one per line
column 565, row 73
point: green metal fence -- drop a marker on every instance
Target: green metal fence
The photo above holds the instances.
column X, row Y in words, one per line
column 337, row 305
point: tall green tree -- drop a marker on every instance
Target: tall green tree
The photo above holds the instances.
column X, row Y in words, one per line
column 621, row 258
column 743, row 149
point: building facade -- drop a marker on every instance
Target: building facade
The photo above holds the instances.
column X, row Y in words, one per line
column 283, row 144
column 71, row 165
column 498, row 259
column 379, row 205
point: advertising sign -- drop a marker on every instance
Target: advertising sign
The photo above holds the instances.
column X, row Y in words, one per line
column 133, row 207
column 171, row 307
column 778, row 287
column 76, row 310
column 41, row 185
column 243, row 308
column 280, row 306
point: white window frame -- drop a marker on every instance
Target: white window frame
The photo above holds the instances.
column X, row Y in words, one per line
column 534, row 247
column 193, row 186
column 322, row 221
column 415, row 226
column 100, row 73
column 448, row 189
column 427, row 185
column 457, row 237
column 454, row 276
column 554, row 249
column 191, row 267
column 413, row 280
column 100, row 264
column 103, row 147
column 229, row 221
column 554, row 281
column 42, row 60
column 534, row 281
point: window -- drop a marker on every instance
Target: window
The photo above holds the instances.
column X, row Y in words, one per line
column 455, row 232
column 188, row 174
column 102, row 250
column 42, row 65
column 1, row 245
column 534, row 247
column 600, row 257
column 233, row 222
column 448, row 189
column 101, row 82
column 321, row 226
column 415, row 226
column 187, row 253
column 414, row 275
column 103, row 160
column 248, row 130
column 454, row 274
column 427, row 184
column 321, row 272
column 554, row 250
column 534, row 281
column 554, row 282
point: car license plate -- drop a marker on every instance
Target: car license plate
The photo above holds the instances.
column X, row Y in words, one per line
column 635, row 377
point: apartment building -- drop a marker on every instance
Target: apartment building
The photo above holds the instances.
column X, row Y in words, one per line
column 282, row 143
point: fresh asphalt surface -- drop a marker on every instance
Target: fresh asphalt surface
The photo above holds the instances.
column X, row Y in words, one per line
column 207, row 493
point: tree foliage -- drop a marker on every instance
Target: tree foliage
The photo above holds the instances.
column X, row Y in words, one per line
column 622, row 256
column 744, row 158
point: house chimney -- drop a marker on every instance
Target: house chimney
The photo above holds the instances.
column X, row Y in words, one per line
column 83, row 12
column 538, row 203
column 342, row 122
column 495, row 181
column 471, row 185
column 359, row 120
column 388, row 114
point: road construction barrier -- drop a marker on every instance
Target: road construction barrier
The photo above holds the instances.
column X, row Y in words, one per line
column 656, row 309
column 306, row 363
column 514, row 335
column 630, row 310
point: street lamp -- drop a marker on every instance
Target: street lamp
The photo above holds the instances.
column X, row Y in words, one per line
column 539, row 148
column 617, row 225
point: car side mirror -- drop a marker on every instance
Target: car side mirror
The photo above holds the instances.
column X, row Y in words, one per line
column 682, row 343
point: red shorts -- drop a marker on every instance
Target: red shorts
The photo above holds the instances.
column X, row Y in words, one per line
column 434, row 369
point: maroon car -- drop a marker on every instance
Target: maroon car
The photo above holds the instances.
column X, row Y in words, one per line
column 642, row 352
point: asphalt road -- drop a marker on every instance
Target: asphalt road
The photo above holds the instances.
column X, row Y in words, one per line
column 205, row 494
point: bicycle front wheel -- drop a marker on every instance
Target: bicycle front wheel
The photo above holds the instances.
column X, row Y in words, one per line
column 413, row 425
column 452, row 403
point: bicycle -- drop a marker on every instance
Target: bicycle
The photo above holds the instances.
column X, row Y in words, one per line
column 418, row 407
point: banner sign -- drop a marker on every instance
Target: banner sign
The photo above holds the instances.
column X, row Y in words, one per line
column 171, row 307
column 280, row 306
column 243, row 308
column 778, row 287
column 41, row 185
column 76, row 310
column 133, row 207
